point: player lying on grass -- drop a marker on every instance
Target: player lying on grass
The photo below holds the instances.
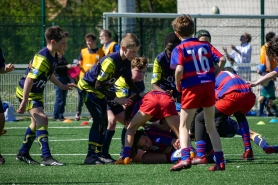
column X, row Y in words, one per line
column 155, row 105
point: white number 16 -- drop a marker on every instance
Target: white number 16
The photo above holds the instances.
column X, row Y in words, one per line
column 204, row 62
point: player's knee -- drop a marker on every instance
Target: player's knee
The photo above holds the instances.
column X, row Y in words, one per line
column 261, row 99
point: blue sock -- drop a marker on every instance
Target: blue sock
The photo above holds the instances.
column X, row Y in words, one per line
column 219, row 157
column 93, row 142
column 123, row 136
column 42, row 136
column 127, row 152
column 259, row 140
column 185, row 154
column 201, row 148
column 107, row 141
column 261, row 109
column 244, row 127
column 29, row 137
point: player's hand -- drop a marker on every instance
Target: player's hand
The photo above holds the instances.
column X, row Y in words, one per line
column 123, row 101
column 252, row 84
column 22, row 107
column 9, row 68
column 69, row 66
column 176, row 144
column 68, row 86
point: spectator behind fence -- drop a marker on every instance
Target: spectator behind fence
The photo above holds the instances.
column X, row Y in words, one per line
column 241, row 54
column 88, row 57
column 267, row 91
column 109, row 45
column 61, row 73
column 30, row 91
column 3, row 69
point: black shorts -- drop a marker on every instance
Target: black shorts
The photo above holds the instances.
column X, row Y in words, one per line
column 228, row 128
column 1, row 106
column 116, row 109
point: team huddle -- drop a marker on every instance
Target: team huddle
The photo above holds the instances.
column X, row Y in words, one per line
column 192, row 98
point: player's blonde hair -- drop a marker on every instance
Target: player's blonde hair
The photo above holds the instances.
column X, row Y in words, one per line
column 130, row 40
column 184, row 25
column 139, row 62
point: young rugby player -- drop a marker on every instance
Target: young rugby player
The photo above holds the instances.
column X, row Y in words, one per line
column 30, row 94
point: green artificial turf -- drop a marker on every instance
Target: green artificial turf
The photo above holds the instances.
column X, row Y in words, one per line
column 68, row 143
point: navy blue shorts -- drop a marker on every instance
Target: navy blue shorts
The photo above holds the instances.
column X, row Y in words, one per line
column 116, row 109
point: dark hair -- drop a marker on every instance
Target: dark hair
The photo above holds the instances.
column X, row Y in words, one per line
column 107, row 32
column 248, row 36
column 269, row 36
column 129, row 110
column 171, row 38
column 90, row 35
column 137, row 137
column 272, row 48
column 55, row 33
column 201, row 33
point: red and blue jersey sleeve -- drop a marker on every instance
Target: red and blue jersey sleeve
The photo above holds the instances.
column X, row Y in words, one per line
column 197, row 59
column 227, row 82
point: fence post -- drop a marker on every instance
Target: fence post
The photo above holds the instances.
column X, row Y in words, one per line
column 262, row 23
column 43, row 21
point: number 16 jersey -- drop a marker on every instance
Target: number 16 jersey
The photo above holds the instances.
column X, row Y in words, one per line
column 197, row 58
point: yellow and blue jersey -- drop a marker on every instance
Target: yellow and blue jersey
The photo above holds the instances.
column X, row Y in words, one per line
column 40, row 70
column 106, row 72
column 163, row 76
column 122, row 90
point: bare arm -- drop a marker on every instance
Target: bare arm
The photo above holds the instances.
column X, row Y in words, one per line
column 7, row 68
column 266, row 78
column 178, row 76
column 54, row 80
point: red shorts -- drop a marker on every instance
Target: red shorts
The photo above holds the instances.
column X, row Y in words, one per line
column 158, row 104
column 236, row 102
column 202, row 95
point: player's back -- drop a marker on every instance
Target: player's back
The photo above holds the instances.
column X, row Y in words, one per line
column 197, row 58
column 227, row 82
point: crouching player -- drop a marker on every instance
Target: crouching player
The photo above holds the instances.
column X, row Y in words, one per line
column 155, row 105
column 234, row 96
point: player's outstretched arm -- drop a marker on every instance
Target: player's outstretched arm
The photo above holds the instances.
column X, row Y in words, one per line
column 266, row 78
column 7, row 68
column 54, row 80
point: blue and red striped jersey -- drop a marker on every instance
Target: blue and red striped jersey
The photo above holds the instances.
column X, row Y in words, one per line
column 227, row 82
column 197, row 58
column 160, row 139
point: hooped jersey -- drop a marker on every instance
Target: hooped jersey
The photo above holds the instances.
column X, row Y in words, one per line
column 107, row 71
column 163, row 75
column 160, row 139
column 197, row 58
column 40, row 70
column 227, row 82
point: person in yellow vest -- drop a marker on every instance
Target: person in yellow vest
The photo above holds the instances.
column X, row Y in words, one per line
column 88, row 57
column 109, row 46
column 267, row 92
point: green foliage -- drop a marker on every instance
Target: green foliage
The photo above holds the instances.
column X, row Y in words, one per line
column 21, row 30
